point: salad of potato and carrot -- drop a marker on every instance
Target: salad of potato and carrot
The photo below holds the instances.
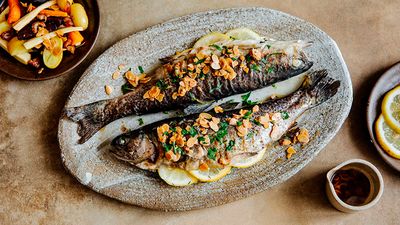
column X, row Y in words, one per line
column 39, row 32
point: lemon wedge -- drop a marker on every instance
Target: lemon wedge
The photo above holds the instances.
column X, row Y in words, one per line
column 387, row 138
column 210, row 39
column 391, row 109
column 243, row 34
column 211, row 175
column 242, row 162
column 175, row 176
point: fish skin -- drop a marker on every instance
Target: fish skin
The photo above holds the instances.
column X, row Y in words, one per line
column 319, row 89
column 94, row 116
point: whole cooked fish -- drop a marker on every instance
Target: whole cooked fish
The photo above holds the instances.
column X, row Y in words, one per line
column 197, row 76
column 218, row 139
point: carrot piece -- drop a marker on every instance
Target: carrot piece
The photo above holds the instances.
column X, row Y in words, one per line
column 15, row 11
column 55, row 13
column 75, row 37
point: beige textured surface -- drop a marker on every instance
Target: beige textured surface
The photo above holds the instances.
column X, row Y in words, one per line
column 35, row 189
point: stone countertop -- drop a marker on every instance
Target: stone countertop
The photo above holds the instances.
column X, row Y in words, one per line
column 35, row 188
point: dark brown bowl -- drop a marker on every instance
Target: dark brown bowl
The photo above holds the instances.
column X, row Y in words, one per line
column 14, row 68
column 386, row 82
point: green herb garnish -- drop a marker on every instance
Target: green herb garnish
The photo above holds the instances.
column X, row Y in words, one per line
column 273, row 85
column 127, row 87
column 247, row 114
column 140, row 121
column 141, row 69
column 246, row 101
column 167, row 147
column 192, row 132
column 161, row 84
column 285, row 115
column 211, row 153
column 165, row 112
column 256, row 122
column 230, row 145
column 255, row 67
column 248, row 57
column 201, row 139
column 270, row 70
column 222, row 132
column 268, row 46
column 234, row 58
column 199, row 61
column 239, row 123
column 264, row 60
column 217, row 47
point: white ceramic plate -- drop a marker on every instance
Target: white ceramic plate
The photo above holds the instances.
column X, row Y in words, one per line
column 93, row 166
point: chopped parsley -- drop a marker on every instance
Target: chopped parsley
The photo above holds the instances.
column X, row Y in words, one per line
column 211, row 153
column 127, row 87
column 177, row 149
column 250, row 134
column 234, row 58
column 268, row 46
column 167, row 147
column 239, row 123
column 246, row 101
column 248, row 57
column 256, row 122
column 140, row 121
column 270, row 70
column 247, row 114
column 285, row 115
column 217, row 47
column 201, row 139
column 222, row 132
column 255, row 67
column 264, row 60
column 161, row 84
column 199, row 61
column 165, row 112
column 141, row 69
column 273, row 85
column 230, row 145
column 202, row 75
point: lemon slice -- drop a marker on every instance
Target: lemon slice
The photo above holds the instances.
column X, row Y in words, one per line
column 53, row 58
column 243, row 34
column 391, row 109
column 387, row 138
column 212, row 174
column 242, row 162
column 210, row 39
column 175, row 176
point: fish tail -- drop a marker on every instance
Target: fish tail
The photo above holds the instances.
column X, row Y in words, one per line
column 85, row 116
column 322, row 87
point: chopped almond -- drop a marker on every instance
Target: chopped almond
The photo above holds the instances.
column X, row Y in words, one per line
column 256, row 108
column 213, row 126
column 246, row 123
column 115, row 75
column 256, row 54
column 303, row 136
column 242, row 131
column 218, row 109
column 290, row 151
column 215, row 66
column 286, row 142
column 121, row 66
column 205, row 116
column 191, row 142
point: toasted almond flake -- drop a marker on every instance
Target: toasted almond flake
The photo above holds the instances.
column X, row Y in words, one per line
column 274, row 132
column 121, row 66
column 115, row 75
column 291, row 150
column 206, row 69
column 247, row 124
column 206, row 141
column 246, row 69
column 144, row 80
column 215, row 66
column 215, row 58
column 223, row 161
column 213, row 126
column 108, row 89
column 303, row 136
column 191, row 142
column 174, row 95
column 242, row 131
column 236, row 50
column 204, row 123
column 169, row 155
column 235, row 63
column 256, row 54
column 205, row 116
column 180, row 141
column 241, row 58
column 218, row 109
column 160, row 97
column 233, row 121
column 215, row 120
column 286, row 142
column 154, row 91
column 256, row 108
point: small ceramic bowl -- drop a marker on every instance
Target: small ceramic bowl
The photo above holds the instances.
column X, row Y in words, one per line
column 374, row 177
column 14, row 68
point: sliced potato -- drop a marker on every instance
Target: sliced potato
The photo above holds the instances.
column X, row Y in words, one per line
column 16, row 47
column 4, row 13
column 243, row 34
column 22, row 58
column 52, row 58
column 4, row 26
column 210, row 39
column 176, row 177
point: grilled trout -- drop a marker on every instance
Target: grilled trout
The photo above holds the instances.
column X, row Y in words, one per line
column 219, row 139
column 196, row 76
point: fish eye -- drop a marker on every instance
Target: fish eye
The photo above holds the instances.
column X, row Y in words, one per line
column 121, row 141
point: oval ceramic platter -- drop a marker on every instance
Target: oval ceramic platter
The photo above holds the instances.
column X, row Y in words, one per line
column 94, row 167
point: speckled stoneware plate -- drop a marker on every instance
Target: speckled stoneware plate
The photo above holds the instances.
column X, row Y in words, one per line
column 389, row 80
column 94, row 167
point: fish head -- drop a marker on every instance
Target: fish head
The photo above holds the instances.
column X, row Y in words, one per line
column 134, row 147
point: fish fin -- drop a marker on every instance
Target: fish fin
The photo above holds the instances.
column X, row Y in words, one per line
column 85, row 116
column 322, row 87
column 197, row 108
